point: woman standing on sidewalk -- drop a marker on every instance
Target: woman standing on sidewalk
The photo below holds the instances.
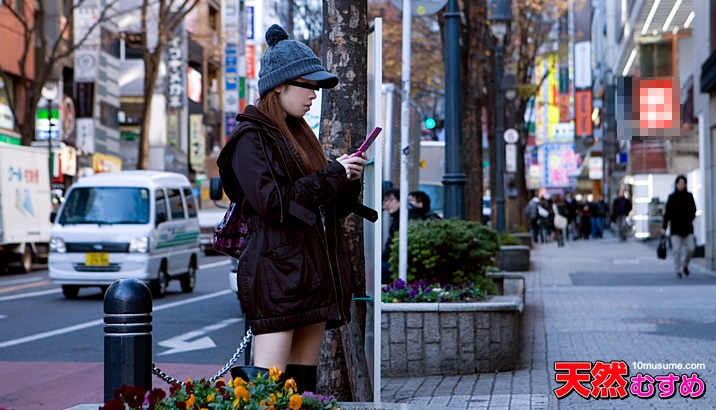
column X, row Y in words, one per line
column 680, row 212
column 295, row 274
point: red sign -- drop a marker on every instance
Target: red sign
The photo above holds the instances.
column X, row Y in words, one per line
column 250, row 61
column 583, row 113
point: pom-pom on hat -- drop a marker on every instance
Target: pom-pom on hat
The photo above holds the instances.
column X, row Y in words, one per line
column 286, row 59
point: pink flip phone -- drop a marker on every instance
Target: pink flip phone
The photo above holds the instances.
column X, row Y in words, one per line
column 368, row 141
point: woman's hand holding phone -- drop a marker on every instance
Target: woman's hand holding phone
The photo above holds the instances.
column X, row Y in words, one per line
column 353, row 165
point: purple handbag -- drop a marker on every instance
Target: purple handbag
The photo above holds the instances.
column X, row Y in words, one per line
column 230, row 235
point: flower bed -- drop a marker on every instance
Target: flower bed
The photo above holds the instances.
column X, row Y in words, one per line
column 260, row 392
column 445, row 338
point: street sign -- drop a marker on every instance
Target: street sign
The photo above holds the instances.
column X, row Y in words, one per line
column 421, row 8
column 511, row 136
column 511, row 158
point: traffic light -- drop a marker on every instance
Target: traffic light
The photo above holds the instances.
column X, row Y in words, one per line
column 430, row 123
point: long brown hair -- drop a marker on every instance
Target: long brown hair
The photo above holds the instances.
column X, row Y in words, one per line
column 296, row 131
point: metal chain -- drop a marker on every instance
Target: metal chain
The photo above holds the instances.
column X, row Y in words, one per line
column 244, row 343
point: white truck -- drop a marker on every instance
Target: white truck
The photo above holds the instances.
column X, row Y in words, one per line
column 25, row 205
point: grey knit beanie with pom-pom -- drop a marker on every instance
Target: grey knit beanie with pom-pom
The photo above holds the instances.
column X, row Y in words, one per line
column 286, row 59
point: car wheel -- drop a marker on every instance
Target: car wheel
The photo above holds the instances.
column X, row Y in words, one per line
column 70, row 291
column 26, row 260
column 158, row 286
column 188, row 280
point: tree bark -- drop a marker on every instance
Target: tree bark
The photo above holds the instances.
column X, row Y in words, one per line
column 473, row 56
column 342, row 365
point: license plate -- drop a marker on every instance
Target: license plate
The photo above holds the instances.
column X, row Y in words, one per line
column 97, row 259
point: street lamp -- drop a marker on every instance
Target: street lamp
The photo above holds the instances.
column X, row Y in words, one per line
column 499, row 14
column 509, row 86
column 50, row 93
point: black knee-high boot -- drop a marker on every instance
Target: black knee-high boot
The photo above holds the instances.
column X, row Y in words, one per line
column 304, row 376
column 248, row 372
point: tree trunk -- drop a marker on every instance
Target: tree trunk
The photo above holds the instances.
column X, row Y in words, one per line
column 343, row 368
column 151, row 72
column 472, row 65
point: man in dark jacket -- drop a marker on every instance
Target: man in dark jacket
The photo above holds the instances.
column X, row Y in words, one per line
column 391, row 203
column 421, row 201
column 680, row 213
column 620, row 209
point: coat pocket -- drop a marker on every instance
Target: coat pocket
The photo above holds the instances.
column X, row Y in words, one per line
column 290, row 272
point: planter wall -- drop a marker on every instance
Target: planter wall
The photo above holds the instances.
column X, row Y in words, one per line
column 421, row 339
column 514, row 258
column 524, row 238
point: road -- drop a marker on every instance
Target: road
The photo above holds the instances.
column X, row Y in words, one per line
column 52, row 349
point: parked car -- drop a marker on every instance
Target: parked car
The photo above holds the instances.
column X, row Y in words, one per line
column 128, row 224
column 208, row 221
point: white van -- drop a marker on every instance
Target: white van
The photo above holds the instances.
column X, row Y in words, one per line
column 128, row 224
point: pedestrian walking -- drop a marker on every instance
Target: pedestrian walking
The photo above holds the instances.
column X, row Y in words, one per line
column 295, row 274
column 533, row 215
column 599, row 216
column 571, row 206
column 560, row 220
column 680, row 213
column 619, row 212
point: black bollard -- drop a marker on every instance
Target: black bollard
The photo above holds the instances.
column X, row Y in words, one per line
column 127, row 336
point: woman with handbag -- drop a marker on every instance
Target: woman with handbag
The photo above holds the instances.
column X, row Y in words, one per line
column 295, row 276
column 560, row 219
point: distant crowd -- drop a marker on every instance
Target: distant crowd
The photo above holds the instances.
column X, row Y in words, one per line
column 557, row 218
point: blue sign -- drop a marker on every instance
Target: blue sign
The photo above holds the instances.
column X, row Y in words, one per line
column 231, row 56
column 250, row 22
column 231, row 79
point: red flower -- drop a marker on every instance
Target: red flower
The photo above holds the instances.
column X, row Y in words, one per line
column 113, row 405
column 155, row 395
column 133, row 396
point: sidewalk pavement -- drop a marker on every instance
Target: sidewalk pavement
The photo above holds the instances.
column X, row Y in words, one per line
column 592, row 300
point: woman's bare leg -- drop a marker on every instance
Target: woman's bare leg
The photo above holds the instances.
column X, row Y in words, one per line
column 306, row 346
column 272, row 349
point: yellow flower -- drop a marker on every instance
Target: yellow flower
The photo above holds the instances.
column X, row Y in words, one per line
column 190, row 401
column 275, row 373
column 290, row 385
column 210, row 398
column 272, row 399
column 242, row 393
column 239, row 382
column 296, row 402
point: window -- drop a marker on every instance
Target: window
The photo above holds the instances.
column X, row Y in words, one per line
column 175, row 204
column 160, row 206
column 190, row 202
column 19, row 6
column 106, row 205
column 108, row 115
column 655, row 60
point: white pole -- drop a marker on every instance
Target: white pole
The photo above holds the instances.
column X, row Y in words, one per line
column 404, row 143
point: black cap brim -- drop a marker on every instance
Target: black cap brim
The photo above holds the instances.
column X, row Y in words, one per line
column 323, row 78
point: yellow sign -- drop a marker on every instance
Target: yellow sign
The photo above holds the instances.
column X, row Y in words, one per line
column 106, row 163
column 423, row 164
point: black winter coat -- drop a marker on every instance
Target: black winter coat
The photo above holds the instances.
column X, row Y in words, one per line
column 680, row 212
column 295, row 269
